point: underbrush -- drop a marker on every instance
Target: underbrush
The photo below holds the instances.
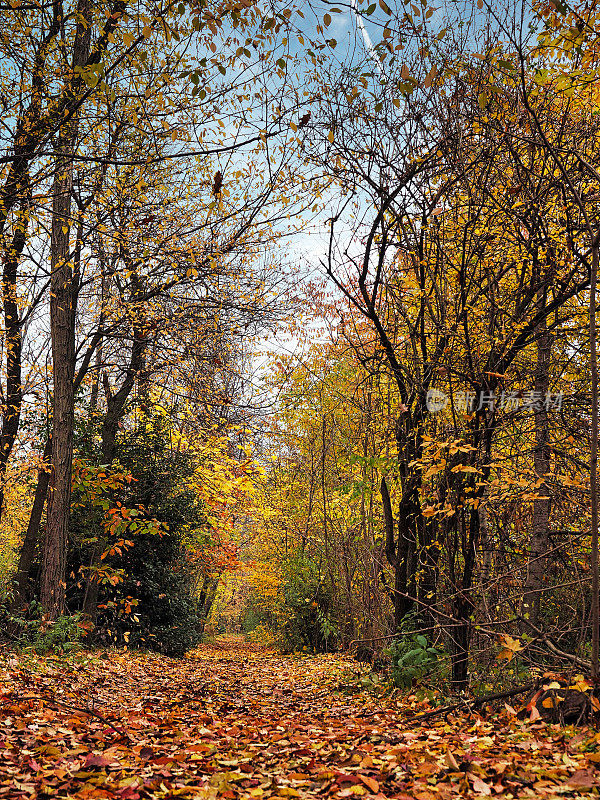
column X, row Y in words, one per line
column 299, row 616
column 31, row 632
column 262, row 635
column 412, row 660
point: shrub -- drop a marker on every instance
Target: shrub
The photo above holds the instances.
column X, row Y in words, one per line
column 299, row 614
column 148, row 597
column 153, row 606
column 308, row 621
column 63, row 635
column 262, row 635
column 412, row 657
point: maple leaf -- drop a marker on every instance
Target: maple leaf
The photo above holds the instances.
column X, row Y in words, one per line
column 509, row 647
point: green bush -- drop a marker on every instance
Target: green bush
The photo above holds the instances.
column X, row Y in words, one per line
column 302, row 618
column 252, row 618
column 152, row 603
column 164, row 615
column 412, row 657
column 308, row 622
column 63, row 635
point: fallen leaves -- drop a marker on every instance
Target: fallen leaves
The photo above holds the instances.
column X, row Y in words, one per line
column 235, row 722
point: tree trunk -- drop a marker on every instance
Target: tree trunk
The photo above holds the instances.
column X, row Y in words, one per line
column 400, row 554
column 14, row 346
column 410, row 549
column 464, row 602
column 539, row 543
column 27, row 554
column 463, row 608
column 405, row 589
column 63, row 302
column 100, row 346
column 207, row 598
column 62, row 317
column 92, row 587
column 595, row 611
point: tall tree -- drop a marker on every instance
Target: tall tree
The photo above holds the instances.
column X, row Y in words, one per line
column 64, row 289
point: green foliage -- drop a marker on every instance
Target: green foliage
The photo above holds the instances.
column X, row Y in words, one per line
column 61, row 636
column 360, row 679
column 252, row 619
column 308, row 624
column 144, row 520
column 165, row 615
column 298, row 616
column 329, row 629
column 154, row 603
column 412, row 657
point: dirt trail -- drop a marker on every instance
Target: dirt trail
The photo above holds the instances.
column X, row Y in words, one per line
column 235, row 721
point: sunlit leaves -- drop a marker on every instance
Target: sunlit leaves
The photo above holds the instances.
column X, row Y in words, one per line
column 509, row 647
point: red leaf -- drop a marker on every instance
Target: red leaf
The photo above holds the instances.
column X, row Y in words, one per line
column 344, row 777
column 93, row 760
column 370, row 783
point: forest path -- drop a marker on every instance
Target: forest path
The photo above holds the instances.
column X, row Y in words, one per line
column 235, row 721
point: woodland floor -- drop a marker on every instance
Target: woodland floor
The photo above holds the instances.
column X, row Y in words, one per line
column 234, row 721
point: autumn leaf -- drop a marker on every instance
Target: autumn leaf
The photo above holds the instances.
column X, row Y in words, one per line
column 370, row 783
column 97, row 760
column 509, row 647
column 480, row 786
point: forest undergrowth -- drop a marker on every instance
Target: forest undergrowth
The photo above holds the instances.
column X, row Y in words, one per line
column 235, row 720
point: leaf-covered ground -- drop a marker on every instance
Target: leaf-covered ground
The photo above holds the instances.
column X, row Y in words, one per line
column 234, row 722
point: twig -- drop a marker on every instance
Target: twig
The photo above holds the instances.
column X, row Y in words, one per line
column 580, row 662
column 43, row 691
column 374, row 639
column 91, row 714
column 478, row 701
